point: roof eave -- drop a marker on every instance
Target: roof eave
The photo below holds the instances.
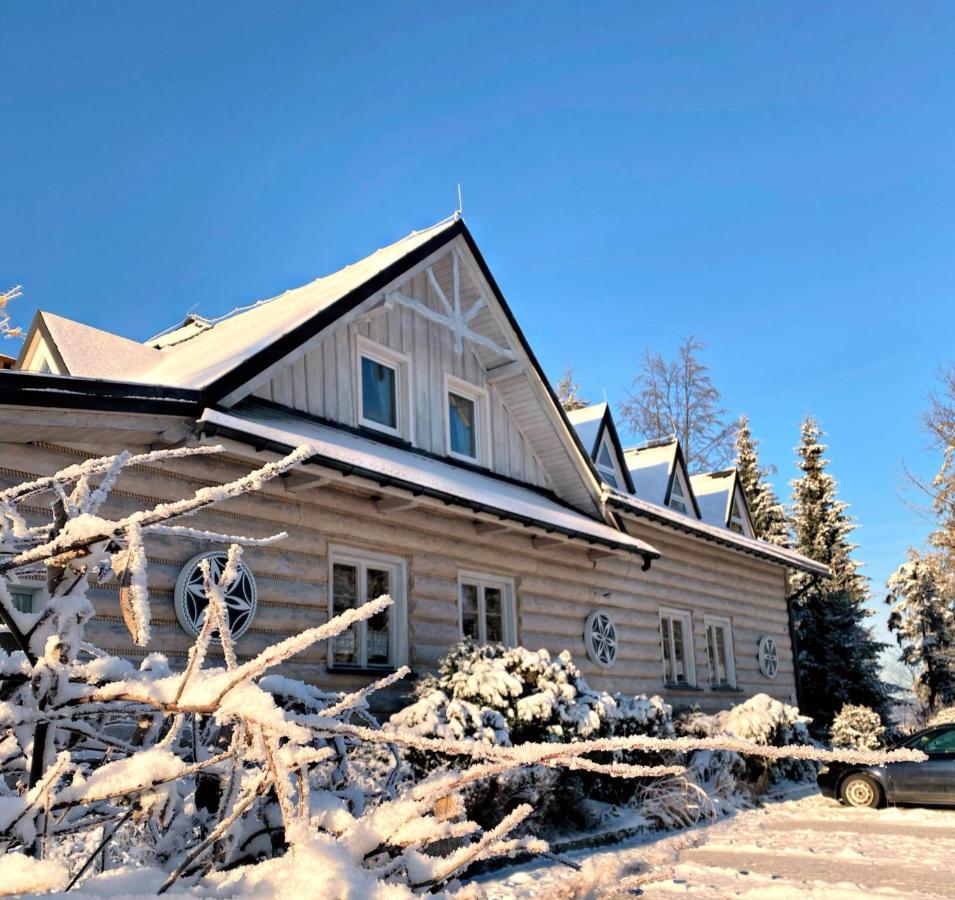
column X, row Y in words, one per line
column 803, row 564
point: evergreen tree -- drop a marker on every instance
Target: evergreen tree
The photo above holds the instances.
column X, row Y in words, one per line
column 769, row 517
column 837, row 654
column 923, row 619
column 568, row 392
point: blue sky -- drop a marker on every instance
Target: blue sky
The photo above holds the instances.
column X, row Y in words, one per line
column 775, row 178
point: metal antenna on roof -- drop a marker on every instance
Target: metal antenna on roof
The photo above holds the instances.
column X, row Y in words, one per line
column 460, row 210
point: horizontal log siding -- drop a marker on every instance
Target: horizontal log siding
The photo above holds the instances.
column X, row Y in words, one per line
column 556, row 587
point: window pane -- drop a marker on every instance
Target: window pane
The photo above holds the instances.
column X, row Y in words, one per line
column 378, row 393
column 603, row 457
column 736, row 526
column 344, row 596
column 461, row 425
column 22, row 600
column 609, row 476
column 494, row 630
column 379, row 583
column 679, row 669
column 711, row 654
column 941, row 743
column 677, row 490
column 667, row 663
column 469, row 611
column 722, row 667
column 678, row 505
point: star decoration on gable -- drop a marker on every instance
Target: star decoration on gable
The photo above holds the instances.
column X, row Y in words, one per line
column 453, row 318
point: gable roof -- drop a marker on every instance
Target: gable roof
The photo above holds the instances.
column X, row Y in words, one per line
column 592, row 423
column 714, row 492
column 84, row 351
column 653, row 467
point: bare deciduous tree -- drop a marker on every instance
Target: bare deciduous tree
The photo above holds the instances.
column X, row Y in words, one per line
column 678, row 397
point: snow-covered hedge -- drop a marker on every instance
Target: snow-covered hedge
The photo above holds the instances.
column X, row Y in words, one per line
column 859, row 727
column 944, row 716
column 762, row 720
column 511, row 696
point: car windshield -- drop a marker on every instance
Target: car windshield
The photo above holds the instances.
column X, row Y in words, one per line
column 934, row 741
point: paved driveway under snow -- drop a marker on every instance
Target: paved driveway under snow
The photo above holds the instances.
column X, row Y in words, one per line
column 807, row 846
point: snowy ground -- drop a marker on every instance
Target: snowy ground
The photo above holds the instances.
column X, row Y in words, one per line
column 805, row 845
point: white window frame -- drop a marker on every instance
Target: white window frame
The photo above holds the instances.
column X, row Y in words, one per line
column 482, row 419
column 36, row 589
column 508, row 605
column 738, row 517
column 401, row 364
column 713, row 622
column 397, row 613
column 683, row 497
column 689, row 654
column 614, row 467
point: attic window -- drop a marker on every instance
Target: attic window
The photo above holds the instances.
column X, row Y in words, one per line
column 678, row 495
column 466, row 415
column 605, row 465
column 383, row 389
column 738, row 522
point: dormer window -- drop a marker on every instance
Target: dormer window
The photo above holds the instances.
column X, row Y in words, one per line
column 383, row 391
column 738, row 520
column 465, row 420
column 679, row 495
column 606, row 467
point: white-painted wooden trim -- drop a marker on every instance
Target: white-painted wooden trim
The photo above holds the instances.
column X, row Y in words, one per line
column 508, row 604
column 685, row 617
column 397, row 613
column 730, row 661
column 404, row 402
column 482, row 419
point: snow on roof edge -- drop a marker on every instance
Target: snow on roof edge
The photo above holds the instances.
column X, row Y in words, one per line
column 722, row 535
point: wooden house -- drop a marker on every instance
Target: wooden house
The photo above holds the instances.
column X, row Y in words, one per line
column 443, row 471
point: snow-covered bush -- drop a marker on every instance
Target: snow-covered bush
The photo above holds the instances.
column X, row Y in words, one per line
column 859, row 727
column 511, row 696
column 508, row 696
column 761, row 720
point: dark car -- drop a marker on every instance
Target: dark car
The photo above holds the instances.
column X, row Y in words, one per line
column 931, row 782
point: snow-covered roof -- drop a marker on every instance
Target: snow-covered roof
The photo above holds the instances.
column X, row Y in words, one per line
column 417, row 472
column 91, row 352
column 650, row 467
column 717, row 533
column 587, row 423
column 197, row 352
column 714, row 494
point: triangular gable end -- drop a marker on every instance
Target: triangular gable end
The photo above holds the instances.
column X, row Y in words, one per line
column 679, row 489
column 739, row 518
column 598, row 434
column 443, row 282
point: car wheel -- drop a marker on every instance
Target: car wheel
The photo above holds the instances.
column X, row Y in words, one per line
column 861, row 791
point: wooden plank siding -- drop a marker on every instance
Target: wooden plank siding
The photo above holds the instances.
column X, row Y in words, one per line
column 322, row 382
column 555, row 587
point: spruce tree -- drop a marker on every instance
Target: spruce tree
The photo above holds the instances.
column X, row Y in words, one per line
column 769, row 517
column 568, row 392
column 923, row 619
column 838, row 658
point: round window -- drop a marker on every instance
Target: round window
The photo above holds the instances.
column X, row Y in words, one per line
column 768, row 656
column 191, row 602
column 600, row 638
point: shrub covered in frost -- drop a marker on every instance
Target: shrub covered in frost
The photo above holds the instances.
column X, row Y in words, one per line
column 513, row 695
column 943, row 716
column 762, row 720
column 859, row 727
column 510, row 696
